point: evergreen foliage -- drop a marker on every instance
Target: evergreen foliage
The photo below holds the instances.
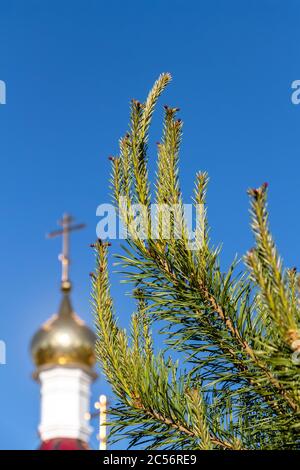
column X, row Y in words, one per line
column 236, row 383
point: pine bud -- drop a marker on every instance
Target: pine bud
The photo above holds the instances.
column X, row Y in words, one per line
column 137, row 103
column 250, row 252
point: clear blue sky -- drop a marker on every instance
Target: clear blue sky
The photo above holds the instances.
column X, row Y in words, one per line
column 71, row 68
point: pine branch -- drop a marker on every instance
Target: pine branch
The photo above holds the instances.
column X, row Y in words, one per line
column 234, row 333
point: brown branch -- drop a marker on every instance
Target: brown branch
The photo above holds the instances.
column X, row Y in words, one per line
column 245, row 345
column 169, row 422
column 235, row 334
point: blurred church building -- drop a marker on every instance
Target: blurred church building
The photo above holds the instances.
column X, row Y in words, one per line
column 63, row 351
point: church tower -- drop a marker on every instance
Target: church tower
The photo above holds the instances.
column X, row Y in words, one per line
column 63, row 353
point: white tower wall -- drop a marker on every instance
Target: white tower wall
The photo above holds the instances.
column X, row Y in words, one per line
column 65, row 402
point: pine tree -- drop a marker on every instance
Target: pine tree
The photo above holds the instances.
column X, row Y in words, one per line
column 234, row 382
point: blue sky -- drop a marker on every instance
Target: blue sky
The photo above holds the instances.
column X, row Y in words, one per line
column 70, row 68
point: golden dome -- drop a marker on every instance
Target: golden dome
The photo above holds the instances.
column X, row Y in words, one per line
column 64, row 339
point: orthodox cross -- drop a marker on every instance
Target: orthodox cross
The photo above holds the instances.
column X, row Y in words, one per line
column 67, row 227
column 101, row 405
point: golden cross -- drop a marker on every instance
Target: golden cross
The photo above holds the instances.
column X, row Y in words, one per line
column 101, row 405
column 67, row 227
